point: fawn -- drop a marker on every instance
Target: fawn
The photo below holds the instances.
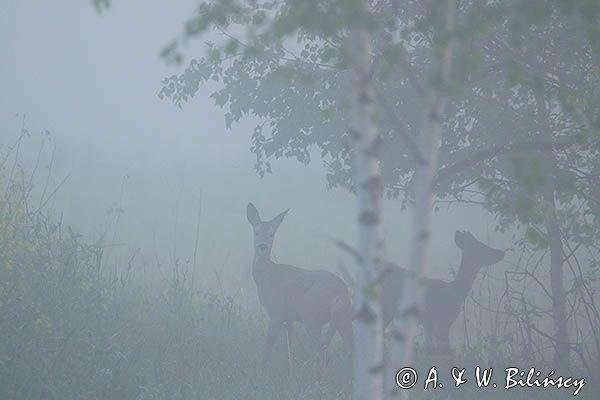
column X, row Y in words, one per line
column 443, row 300
column 290, row 294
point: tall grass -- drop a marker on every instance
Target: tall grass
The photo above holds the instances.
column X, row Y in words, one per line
column 72, row 329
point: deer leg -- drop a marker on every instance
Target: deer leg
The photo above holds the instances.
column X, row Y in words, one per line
column 289, row 337
column 344, row 327
column 324, row 361
column 325, row 340
column 273, row 332
column 438, row 341
column 444, row 340
column 430, row 341
column 325, row 343
column 318, row 342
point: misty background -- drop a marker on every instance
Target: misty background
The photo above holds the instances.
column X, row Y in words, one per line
column 131, row 262
column 91, row 80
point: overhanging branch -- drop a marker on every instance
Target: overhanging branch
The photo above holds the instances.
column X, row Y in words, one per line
column 499, row 150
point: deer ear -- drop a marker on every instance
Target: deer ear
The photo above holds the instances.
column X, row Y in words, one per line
column 252, row 214
column 279, row 219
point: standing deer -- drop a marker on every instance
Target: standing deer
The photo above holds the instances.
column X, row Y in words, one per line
column 443, row 300
column 290, row 294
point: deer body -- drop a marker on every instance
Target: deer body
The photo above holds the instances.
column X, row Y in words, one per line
column 290, row 294
column 443, row 300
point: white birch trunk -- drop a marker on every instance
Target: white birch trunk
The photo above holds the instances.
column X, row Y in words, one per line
column 411, row 303
column 368, row 330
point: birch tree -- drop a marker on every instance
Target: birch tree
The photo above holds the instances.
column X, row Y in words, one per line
column 411, row 305
column 368, row 330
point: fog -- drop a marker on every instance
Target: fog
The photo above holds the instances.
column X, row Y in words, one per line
column 92, row 81
column 156, row 188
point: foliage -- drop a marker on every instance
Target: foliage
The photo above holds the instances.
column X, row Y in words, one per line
column 541, row 105
column 525, row 86
column 101, row 5
column 521, row 137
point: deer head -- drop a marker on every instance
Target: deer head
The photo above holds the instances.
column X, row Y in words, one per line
column 475, row 253
column 264, row 231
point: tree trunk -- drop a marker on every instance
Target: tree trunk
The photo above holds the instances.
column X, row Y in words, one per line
column 561, row 350
column 429, row 141
column 561, row 360
column 368, row 330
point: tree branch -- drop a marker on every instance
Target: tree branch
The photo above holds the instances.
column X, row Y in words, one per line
column 499, row 150
column 401, row 128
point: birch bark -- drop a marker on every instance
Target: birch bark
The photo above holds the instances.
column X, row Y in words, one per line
column 368, row 329
column 411, row 304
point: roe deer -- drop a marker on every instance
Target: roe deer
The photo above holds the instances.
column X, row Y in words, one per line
column 290, row 294
column 443, row 300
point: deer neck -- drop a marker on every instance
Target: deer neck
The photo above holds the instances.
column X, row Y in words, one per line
column 260, row 263
column 463, row 282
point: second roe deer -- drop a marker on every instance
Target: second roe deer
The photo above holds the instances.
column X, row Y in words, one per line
column 290, row 294
column 443, row 300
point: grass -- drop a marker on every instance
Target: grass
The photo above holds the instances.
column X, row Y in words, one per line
column 71, row 329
